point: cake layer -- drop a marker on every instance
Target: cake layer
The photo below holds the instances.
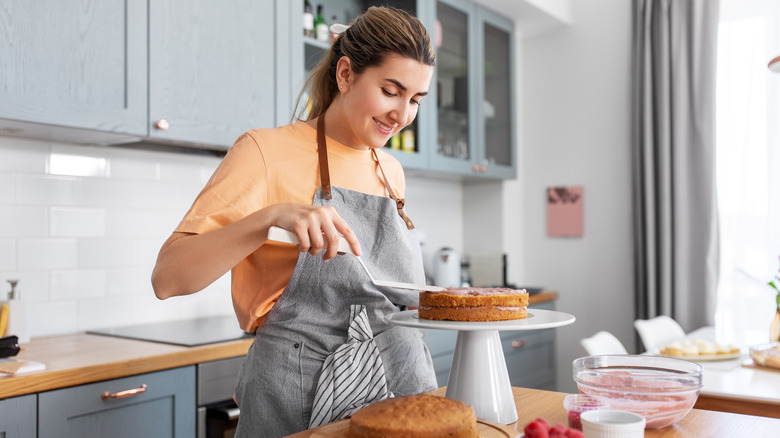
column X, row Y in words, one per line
column 472, row 298
column 414, row 416
column 500, row 313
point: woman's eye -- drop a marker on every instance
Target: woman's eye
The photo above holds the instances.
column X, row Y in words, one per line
column 387, row 93
column 416, row 102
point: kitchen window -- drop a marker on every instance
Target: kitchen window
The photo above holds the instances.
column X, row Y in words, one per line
column 748, row 167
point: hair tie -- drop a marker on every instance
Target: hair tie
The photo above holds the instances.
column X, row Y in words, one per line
column 338, row 29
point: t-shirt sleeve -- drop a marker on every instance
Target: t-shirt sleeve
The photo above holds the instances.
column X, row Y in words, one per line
column 237, row 188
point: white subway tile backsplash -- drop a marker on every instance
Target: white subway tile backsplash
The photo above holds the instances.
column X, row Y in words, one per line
column 39, row 254
column 33, row 286
column 132, row 164
column 7, row 188
column 77, row 222
column 117, row 252
column 22, row 155
column 7, row 255
column 23, row 221
column 132, row 281
column 53, row 318
column 77, row 284
column 46, row 190
column 123, row 222
column 180, row 168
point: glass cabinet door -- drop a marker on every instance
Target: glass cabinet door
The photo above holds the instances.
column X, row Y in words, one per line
column 497, row 115
column 454, row 87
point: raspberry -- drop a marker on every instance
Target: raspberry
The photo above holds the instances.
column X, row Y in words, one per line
column 537, row 429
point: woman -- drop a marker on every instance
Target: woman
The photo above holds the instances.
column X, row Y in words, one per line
column 323, row 347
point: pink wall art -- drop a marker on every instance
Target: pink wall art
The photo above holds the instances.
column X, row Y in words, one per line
column 565, row 211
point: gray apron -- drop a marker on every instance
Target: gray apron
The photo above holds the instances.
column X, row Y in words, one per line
column 331, row 309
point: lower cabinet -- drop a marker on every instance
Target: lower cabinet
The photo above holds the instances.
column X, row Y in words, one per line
column 18, row 417
column 530, row 355
column 159, row 404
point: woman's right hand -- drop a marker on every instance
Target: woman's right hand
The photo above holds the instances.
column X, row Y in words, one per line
column 189, row 262
column 318, row 228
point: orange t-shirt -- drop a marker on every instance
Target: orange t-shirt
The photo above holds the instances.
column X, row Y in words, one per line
column 269, row 166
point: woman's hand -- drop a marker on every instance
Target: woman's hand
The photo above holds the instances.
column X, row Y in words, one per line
column 317, row 228
column 189, row 262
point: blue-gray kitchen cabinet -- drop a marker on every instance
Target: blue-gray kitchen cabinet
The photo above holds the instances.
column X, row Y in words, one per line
column 211, row 69
column 78, row 63
column 18, row 417
column 475, row 92
column 165, row 409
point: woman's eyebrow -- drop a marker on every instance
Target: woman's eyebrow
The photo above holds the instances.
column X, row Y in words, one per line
column 403, row 87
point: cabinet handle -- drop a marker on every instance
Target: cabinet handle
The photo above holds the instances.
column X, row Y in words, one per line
column 483, row 169
column 475, row 168
column 162, row 125
column 518, row 344
column 126, row 393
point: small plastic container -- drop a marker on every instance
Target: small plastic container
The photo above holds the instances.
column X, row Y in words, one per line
column 576, row 404
column 607, row 423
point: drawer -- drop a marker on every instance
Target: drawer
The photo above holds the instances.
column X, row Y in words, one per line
column 439, row 341
column 217, row 380
column 166, row 408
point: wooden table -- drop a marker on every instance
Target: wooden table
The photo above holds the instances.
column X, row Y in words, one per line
column 532, row 404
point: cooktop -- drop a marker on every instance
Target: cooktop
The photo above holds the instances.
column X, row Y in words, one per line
column 187, row 332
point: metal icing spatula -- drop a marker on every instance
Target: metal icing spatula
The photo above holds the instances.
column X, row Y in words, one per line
column 282, row 235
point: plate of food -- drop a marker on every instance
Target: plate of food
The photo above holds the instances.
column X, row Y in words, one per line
column 698, row 350
column 766, row 355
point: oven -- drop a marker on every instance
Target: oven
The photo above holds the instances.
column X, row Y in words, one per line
column 217, row 415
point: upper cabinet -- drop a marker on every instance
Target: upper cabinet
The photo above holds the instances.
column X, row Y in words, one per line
column 80, row 64
column 475, row 85
column 211, row 69
column 197, row 74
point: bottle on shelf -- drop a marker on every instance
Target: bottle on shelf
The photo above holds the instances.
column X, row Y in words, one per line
column 407, row 140
column 308, row 20
column 321, row 26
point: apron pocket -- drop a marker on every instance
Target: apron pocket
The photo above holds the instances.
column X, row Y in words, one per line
column 311, row 360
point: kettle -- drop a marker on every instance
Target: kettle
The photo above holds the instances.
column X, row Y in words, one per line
column 446, row 268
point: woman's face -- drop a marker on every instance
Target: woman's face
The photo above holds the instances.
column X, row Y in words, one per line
column 381, row 101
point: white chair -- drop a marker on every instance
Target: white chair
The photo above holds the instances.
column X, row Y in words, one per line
column 659, row 331
column 603, row 343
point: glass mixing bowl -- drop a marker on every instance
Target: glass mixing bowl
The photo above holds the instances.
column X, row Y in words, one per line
column 661, row 389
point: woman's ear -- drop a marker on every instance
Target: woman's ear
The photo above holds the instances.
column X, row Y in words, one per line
column 344, row 74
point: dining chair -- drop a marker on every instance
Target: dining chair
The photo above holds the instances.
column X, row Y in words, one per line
column 658, row 331
column 603, row 342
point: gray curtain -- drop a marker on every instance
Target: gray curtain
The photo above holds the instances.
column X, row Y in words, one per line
column 676, row 226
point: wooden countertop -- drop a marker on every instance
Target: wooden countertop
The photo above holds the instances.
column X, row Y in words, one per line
column 85, row 358
column 533, row 403
column 543, row 296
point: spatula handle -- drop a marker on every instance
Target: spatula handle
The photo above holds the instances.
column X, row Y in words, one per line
column 282, row 235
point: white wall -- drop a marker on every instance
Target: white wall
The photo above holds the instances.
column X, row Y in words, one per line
column 83, row 246
column 576, row 130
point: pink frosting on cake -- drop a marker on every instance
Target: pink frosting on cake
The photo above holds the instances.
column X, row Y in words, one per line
column 480, row 291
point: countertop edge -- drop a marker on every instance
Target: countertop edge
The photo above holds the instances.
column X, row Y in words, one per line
column 167, row 357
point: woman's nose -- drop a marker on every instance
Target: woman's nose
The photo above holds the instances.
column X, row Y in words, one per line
column 401, row 114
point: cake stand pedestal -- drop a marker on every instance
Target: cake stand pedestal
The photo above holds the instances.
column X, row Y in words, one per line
column 479, row 376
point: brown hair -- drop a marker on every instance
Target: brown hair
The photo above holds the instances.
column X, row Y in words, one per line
column 370, row 37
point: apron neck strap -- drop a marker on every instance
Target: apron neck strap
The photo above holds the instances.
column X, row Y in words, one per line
column 322, row 150
column 399, row 202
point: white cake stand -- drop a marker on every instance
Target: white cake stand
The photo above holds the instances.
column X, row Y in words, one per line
column 478, row 375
